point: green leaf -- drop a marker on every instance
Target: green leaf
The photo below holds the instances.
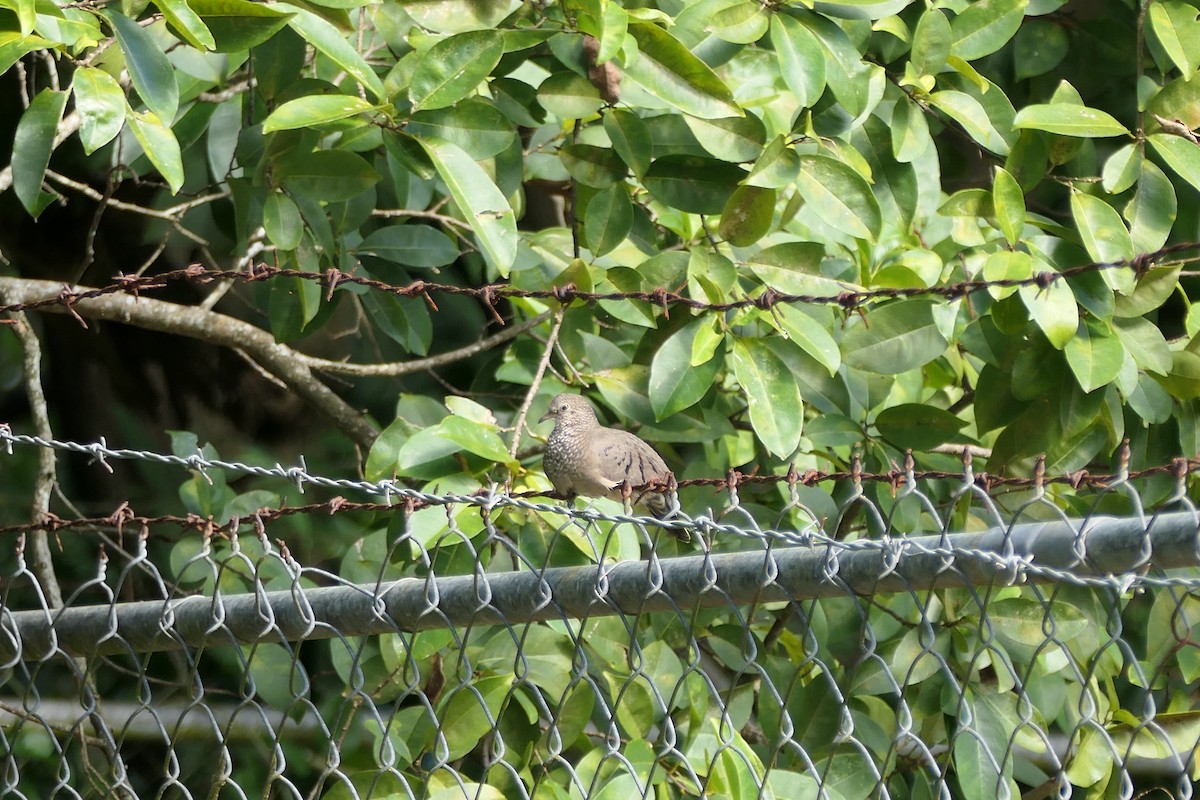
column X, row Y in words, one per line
column 599, row 167
column 14, row 46
column 1053, row 310
column 795, row 268
column 969, row 203
column 469, row 714
column 1039, row 47
column 100, row 104
column 894, row 338
column 630, row 138
column 1149, row 292
column 1104, row 237
column 238, row 25
column 772, row 394
column 608, row 23
column 333, row 45
column 567, row 95
column 482, row 204
column 910, row 131
column 973, row 117
column 473, row 124
column 1182, row 156
column 801, row 58
column 31, row 148
column 149, row 70
column 282, row 221
column 918, row 426
column 736, row 139
column 1175, row 26
column 986, row 26
column 410, row 245
column 455, row 16
column 860, row 9
column 326, row 175
column 477, row 438
column 1145, row 343
column 675, row 383
column 747, row 216
column 1151, row 212
column 668, row 70
column 607, row 220
column 693, row 184
column 708, row 338
column 840, row 196
column 1183, row 381
column 409, row 154
column 314, row 110
column 1179, row 99
column 1094, row 355
column 26, row 15
column 777, row 167
column 1121, row 169
column 931, row 42
column 1069, row 119
column 293, row 303
column 741, row 23
column 844, row 68
column 1009, row 203
column 1006, row 265
column 161, row 146
column 405, row 320
column 188, row 23
column 975, row 766
column 453, row 68
column 810, row 335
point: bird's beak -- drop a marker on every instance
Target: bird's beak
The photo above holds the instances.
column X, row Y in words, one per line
column 546, row 416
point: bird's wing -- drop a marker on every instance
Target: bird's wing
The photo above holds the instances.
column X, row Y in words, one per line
column 620, row 456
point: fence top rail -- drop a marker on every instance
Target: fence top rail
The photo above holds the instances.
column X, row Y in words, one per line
column 1101, row 551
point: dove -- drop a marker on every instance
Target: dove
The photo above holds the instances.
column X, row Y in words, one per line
column 583, row 457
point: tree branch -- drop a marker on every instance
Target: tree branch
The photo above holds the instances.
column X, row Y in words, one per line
column 47, row 475
column 395, row 368
column 208, row 326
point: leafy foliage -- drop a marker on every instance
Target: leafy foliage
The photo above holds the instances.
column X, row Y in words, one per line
column 723, row 149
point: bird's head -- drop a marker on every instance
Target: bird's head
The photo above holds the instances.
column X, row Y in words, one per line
column 570, row 409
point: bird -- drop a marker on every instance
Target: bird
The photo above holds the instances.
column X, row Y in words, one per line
column 585, row 458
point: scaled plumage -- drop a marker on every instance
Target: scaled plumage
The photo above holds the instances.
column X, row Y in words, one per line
column 583, row 457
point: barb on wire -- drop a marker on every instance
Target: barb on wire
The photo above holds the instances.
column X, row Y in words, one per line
column 766, row 300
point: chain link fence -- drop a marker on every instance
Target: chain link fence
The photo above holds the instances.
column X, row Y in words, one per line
column 918, row 637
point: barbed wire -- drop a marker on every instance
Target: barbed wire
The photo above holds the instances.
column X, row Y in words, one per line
column 392, row 490
column 664, row 298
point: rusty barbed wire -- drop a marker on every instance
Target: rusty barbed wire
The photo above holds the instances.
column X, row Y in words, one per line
column 412, row 500
column 663, row 298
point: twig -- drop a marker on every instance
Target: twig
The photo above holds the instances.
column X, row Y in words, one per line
column 537, row 381
column 418, row 214
column 228, row 92
column 956, row 450
column 394, row 368
column 570, row 367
